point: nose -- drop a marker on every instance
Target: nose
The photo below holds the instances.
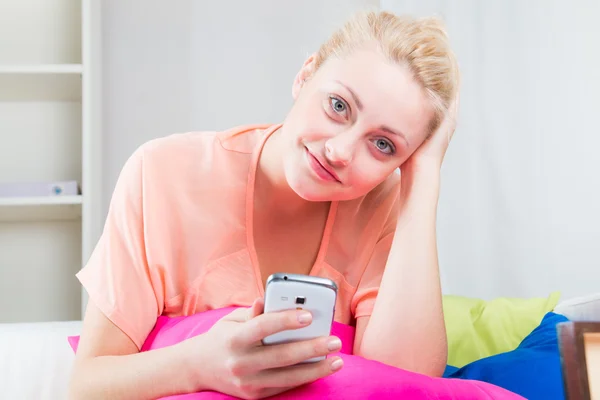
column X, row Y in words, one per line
column 339, row 149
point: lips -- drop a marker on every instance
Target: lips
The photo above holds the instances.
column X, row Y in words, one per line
column 320, row 168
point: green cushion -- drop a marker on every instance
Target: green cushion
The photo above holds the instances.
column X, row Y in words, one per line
column 477, row 328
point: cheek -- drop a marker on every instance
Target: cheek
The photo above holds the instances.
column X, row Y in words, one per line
column 369, row 172
column 309, row 123
column 367, row 178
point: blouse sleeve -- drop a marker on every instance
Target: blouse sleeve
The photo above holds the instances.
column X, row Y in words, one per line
column 117, row 276
column 368, row 288
column 363, row 300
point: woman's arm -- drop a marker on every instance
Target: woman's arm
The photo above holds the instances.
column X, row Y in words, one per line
column 228, row 358
column 125, row 373
column 406, row 328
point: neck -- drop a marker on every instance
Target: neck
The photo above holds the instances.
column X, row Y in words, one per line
column 272, row 192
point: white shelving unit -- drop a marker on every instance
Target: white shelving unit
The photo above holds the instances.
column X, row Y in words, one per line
column 49, row 69
column 31, row 209
column 52, row 82
column 49, row 131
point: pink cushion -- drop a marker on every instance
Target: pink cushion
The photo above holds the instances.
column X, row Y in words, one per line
column 359, row 378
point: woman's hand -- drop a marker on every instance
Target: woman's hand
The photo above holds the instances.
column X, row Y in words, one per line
column 231, row 359
column 433, row 150
column 423, row 167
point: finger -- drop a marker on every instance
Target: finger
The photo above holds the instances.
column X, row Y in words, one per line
column 299, row 374
column 256, row 329
column 260, row 303
column 288, row 354
column 453, row 110
column 244, row 314
column 448, row 125
column 257, row 308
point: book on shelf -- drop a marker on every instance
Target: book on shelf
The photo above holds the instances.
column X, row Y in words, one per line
column 34, row 189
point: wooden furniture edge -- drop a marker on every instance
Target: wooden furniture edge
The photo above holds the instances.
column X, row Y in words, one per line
column 572, row 357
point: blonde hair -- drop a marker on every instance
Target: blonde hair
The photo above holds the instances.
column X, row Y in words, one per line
column 419, row 43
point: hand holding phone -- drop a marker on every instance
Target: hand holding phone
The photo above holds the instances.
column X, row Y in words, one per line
column 241, row 366
column 301, row 292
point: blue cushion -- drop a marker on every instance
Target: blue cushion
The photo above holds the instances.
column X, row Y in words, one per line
column 450, row 370
column 532, row 370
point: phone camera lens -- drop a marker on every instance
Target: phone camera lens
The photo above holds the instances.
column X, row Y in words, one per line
column 285, row 278
column 300, row 300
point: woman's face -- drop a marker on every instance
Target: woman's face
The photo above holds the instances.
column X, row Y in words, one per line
column 353, row 123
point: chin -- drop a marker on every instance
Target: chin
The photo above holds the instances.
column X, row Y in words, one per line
column 310, row 192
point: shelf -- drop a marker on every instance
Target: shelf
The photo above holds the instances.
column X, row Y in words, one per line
column 40, row 208
column 42, row 69
column 58, row 82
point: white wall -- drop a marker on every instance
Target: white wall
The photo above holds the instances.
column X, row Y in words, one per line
column 519, row 211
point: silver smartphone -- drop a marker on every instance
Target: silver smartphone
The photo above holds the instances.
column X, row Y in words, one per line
column 302, row 292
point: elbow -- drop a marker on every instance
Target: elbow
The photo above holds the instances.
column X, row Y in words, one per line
column 427, row 363
column 436, row 366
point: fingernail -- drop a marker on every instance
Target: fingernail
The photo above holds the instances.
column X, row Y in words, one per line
column 334, row 344
column 304, row 317
column 337, row 364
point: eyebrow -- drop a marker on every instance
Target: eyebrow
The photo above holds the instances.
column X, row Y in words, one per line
column 354, row 96
column 360, row 108
column 393, row 132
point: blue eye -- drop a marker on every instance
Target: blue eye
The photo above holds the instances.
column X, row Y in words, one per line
column 337, row 105
column 384, row 146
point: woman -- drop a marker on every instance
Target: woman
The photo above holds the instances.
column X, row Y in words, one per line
column 198, row 221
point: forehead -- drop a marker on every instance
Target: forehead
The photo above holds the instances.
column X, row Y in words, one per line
column 388, row 91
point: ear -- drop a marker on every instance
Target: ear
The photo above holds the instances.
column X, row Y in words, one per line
column 307, row 70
